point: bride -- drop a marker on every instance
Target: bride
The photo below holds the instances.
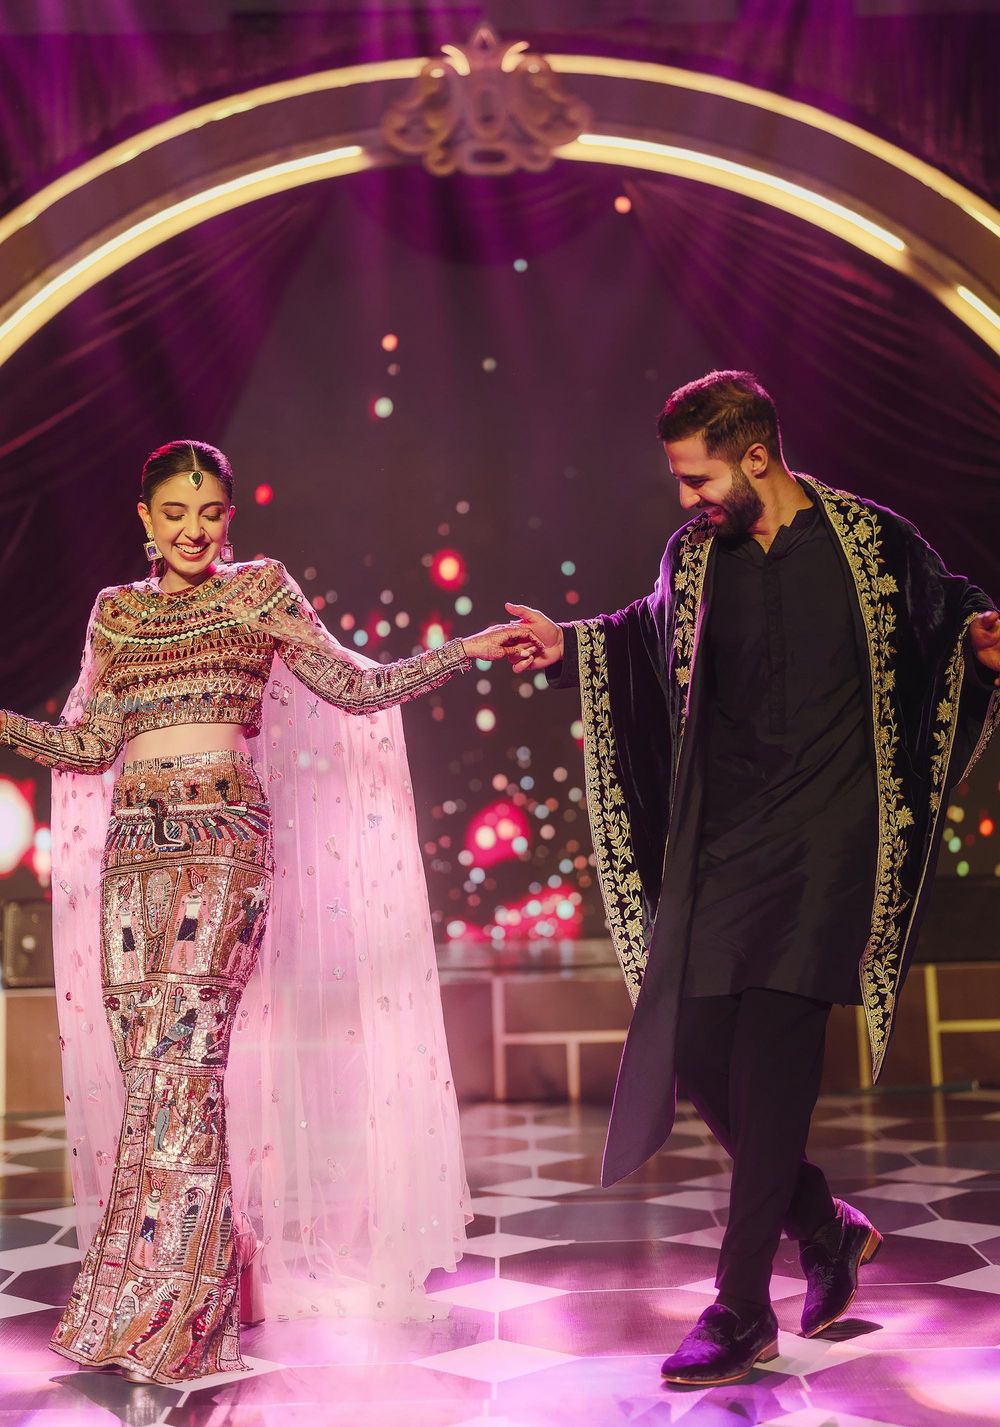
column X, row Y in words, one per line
column 238, row 898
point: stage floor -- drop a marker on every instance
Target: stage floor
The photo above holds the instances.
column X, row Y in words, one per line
column 570, row 1295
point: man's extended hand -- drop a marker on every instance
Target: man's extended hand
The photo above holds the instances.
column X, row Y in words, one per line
column 547, row 636
column 984, row 634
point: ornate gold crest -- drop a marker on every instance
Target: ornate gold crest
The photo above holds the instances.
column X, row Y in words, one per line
column 486, row 108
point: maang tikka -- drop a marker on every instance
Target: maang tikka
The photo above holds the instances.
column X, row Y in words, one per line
column 196, row 478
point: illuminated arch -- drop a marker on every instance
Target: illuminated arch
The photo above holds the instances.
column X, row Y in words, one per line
column 221, row 155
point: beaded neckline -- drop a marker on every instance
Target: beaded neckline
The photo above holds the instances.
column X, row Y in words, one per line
column 153, row 588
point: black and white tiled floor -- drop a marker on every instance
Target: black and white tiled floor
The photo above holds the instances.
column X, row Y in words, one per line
column 570, row 1295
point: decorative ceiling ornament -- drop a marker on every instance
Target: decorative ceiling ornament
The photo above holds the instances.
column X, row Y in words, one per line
column 487, row 107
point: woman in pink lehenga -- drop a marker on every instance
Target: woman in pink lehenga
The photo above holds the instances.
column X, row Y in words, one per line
column 262, row 909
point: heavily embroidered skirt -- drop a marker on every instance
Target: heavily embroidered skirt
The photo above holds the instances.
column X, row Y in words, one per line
column 185, row 889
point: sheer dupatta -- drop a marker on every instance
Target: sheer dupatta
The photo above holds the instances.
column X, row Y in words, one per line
column 93, row 1094
column 343, row 1123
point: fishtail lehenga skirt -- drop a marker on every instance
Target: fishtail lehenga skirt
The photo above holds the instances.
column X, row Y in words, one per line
column 185, row 887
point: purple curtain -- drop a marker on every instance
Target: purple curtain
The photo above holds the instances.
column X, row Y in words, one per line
column 882, row 391
column 925, row 80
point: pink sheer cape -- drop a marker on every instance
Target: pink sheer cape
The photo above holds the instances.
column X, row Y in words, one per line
column 343, row 1123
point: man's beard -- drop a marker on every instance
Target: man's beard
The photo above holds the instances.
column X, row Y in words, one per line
column 741, row 509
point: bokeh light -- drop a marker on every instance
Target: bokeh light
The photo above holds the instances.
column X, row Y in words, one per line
column 546, row 915
column 40, row 855
column 17, row 826
column 448, row 570
column 491, row 834
column 434, row 634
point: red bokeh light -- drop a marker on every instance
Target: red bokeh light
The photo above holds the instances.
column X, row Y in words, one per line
column 17, row 824
column 491, row 834
column 263, row 495
column 448, row 570
column 554, row 914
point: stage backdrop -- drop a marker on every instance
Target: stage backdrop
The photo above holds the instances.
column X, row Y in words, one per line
column 441, row 394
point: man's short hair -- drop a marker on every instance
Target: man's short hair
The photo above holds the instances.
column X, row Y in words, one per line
column 731, row 409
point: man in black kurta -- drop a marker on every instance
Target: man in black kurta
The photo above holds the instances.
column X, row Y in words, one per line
column 769, row 737
column 788, row 824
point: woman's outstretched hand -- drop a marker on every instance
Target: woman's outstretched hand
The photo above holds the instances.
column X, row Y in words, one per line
column 541, row 642
column 501, row 641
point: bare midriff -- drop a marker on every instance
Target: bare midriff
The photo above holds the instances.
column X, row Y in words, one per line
column 180, row 738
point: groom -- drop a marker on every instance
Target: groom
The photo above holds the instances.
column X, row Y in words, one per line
column 770, row 736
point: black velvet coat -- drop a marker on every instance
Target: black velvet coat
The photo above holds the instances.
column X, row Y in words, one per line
column 932, row 711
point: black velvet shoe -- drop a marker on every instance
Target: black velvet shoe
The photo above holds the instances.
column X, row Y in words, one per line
column 830, row 1261
column 721, row 1347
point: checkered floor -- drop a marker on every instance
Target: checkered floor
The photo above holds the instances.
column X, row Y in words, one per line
column 570, row 1295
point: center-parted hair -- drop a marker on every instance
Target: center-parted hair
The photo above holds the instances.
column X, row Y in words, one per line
column 178, row 458
column 731, row 409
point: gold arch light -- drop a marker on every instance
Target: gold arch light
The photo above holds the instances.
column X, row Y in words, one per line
column 105, row 255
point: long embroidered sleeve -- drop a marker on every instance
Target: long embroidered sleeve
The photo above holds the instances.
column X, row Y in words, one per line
column 88, row 747
column 155, row 659
column 338, row 675
column 88, row 737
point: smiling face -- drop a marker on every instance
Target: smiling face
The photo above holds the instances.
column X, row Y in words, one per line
column 189, row 524
column 726, row 492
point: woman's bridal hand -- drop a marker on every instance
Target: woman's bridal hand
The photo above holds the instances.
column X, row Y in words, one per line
column 500, row 641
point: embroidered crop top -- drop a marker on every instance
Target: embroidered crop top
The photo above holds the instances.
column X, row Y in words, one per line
column 204, row 655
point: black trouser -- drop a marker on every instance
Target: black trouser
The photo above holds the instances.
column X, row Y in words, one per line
column 751, row 1064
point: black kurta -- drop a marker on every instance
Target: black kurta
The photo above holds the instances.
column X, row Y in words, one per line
column 786, row 852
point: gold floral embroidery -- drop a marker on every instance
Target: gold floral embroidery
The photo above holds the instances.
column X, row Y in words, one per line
column 945, row 720
column 689, row 585
column 990, row 723
column 856, row 527
column 621, row 887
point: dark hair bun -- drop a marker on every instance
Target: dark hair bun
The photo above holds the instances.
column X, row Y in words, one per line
column 177, row 458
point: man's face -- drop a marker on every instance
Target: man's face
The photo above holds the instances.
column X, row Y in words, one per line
column 711, row 484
